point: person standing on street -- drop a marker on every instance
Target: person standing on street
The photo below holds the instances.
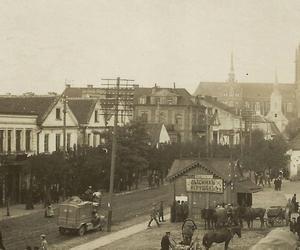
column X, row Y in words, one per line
column 161, row 212
column 44, row 243
column 1, row 242
column 165, row 242
column 153, row 216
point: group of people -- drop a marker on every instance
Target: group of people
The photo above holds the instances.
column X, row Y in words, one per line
column 157, row 214
column 180, row 211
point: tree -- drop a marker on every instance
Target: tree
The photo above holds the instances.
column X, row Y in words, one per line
column 265, row 154
column 293, row 128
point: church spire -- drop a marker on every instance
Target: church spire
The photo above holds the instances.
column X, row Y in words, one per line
column 276, row 85
column 231, row 75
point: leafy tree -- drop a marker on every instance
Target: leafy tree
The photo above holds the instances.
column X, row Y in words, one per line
column 293, row 128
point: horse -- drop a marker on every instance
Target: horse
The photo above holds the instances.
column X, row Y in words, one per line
column 249, row 214
column 222, row 235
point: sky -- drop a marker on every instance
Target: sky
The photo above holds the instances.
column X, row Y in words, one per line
column 46, row 44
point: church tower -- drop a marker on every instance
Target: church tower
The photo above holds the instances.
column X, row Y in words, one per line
column 275, row 114
column 231, row 75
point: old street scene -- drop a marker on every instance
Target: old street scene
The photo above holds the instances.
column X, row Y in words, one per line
column 149, row 125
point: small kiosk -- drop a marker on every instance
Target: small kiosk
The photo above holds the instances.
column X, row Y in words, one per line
column 205, row 183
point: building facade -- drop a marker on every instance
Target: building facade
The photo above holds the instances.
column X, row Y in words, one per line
column 256, row 96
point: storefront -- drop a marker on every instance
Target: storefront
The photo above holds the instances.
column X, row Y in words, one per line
column 206, row 183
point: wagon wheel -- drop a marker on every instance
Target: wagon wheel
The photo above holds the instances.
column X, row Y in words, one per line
column 81, row 230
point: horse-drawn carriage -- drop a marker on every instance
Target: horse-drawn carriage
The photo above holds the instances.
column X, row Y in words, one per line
column 276, row 216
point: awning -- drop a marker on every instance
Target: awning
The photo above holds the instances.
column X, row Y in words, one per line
column 247, row 186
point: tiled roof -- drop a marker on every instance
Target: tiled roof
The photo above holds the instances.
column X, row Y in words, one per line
column 215, row 166
column 28, row 105
column 213, row 101
column 82, row 108
column 185, row 97
column 153, row 130
column 249, row 90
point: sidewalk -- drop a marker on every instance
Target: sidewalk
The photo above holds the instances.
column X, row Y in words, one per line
column 18, row 211
column 108, row 239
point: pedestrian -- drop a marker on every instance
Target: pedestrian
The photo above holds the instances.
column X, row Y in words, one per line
column 153, row 216
column 1, row 242
column 279, row 184
column 165, row 242
column 268, row 179
column 260, row 180
column 276, row 184
column 293, row 225
column 89, row 194
column 44, row 243
column 289, row 208
column 185, row 210
column 161, row 212
column 178, row 212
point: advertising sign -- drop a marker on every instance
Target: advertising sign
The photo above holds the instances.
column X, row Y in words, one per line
column 204, row 185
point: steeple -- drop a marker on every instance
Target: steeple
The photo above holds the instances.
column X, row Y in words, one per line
column 297, row 67
column 276, row 85
column 231, row 75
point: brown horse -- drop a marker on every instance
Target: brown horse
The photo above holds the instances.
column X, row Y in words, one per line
column 249, row 214
column 222, row 235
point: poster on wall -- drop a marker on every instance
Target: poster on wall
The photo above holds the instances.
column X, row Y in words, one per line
column 204, row 185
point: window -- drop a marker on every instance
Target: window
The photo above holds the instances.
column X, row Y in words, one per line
column 144, row 116
column 162, row 117
column 96, row 116
column 1, row 141
column 28, row 140
column 88, row 139
column 170, row 100
column 46, row 143
column 9, row 140
column 142, row 100
column 178, row 121
column 289, row 107
column 68, row 140
column 18, row 140
column 58, row 114
column 57, row 142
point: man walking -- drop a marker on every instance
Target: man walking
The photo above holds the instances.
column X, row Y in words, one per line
column 153, row 216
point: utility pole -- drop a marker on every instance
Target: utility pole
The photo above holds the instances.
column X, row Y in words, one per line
column 207, row 133
column 116, row 94
column 241, row 134
column 64, row 121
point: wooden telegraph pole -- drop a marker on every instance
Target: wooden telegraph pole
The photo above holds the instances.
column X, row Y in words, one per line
column 116, row 94
column 64, row 121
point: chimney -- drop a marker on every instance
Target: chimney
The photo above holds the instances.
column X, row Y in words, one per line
column 68, row 85
column 174, row 85
column 90, row 86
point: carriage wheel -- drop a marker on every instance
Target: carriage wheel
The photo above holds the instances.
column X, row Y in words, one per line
column 81, row 230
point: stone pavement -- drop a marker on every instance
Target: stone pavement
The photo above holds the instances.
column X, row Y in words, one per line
column 108, row 239
column 19, row 210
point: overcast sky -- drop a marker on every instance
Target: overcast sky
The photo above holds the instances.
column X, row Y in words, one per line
column 45, row 42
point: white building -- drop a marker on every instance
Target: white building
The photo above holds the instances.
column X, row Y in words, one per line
column 294, row 153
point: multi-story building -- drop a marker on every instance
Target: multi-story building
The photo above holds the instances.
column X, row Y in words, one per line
column 174, row 107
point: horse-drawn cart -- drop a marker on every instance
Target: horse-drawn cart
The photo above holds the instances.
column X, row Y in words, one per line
column 276, row 216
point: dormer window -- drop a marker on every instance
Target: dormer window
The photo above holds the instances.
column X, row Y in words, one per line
column 58, row 114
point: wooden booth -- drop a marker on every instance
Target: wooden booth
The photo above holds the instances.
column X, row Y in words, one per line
column 205, row 183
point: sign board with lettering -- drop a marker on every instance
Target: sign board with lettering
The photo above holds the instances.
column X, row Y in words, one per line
column 204, row 185
column 204, row 176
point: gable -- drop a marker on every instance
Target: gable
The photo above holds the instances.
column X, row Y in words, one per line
column 52, row 120
column 100, row 122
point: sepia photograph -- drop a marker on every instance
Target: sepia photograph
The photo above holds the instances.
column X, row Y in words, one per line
column 149, row 124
